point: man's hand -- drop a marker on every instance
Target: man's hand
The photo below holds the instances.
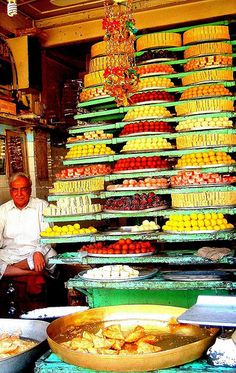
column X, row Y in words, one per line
column 39, row 261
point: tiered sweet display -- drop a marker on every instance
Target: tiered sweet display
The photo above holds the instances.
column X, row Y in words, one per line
column 182, row 191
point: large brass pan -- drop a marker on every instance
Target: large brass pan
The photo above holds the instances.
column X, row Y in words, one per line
column 152, row 317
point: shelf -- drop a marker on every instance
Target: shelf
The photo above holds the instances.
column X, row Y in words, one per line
column 87, row 142
column 154, row 284
column 71, row 218
column 56, row 197
column 74, row 161
column 178, row 258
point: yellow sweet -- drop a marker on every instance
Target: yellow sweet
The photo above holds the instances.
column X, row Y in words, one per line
column 158, row 39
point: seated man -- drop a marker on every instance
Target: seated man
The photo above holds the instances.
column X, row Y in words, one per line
column 21, row 221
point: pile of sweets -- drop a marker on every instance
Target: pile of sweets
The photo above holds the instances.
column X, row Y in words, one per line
column 72, row 206
column 209, row 158
column 188, row 178
column 143, row 97
column 78, row 186
column 141, row 163
column 158, row 54
column 123, row 247
column 206, row 33
column 154, row 82
column 203, row 199
column 67, row 230
column 87, row 150
column 213, row 75
column 205, row 105
column 158, row 40
column 155, row 69
column 144, row 112
column 149, row 144
column 91, row 135
column 208, row 49
column 134, row 203
column 205, row 90
column 112, row 272
column 146, row 126
column 84, row 171
column 93, row 93
column 207, row 62
column 204, row 140
column 197, row 222
column 148, row 182
column 204, row 123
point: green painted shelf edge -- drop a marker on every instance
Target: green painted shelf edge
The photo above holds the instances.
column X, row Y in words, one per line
column 77, row 258
column 56, row 197
column 74, row 161
column 51, row 363
column 156, row 283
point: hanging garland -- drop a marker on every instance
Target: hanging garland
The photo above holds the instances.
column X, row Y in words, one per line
column 121, row 77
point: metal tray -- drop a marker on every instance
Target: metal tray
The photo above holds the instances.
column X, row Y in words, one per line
column 146, row 150
column 144, row 118
column 204, row 112
column 135, row 211
column 139, row 170
column 153, row 88
column 200, row 185
column 134, row 188
column 205, row 166
column 199, row 231
column 155, row 74
column 143, row 274
column 146, row 133
column 161, row 59
column 195, row 275
column 96, row 98
column 204, row 129
column 89, row 157
column 120, row 255
column 150, row 102
column 127, row 230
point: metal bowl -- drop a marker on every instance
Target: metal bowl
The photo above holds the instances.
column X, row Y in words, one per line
column 31, row 329
column 151, row 317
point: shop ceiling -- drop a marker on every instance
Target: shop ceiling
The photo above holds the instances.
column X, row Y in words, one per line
column 71, row 21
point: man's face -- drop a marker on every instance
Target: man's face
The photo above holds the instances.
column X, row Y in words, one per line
column 20, row 191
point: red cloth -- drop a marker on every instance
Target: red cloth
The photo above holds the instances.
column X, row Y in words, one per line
column 34, row 284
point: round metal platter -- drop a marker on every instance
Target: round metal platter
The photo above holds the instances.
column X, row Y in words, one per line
column 206, row 146
column 200, row 185
column 140, row 170
column 145, row 118
column 204, row 129
column 146, row 150
column 153, row 88
column 135, row 211
column 134, row 188
column 205, row 166
column 152, row 317
column 195, row 275
column 150, row 102
column 204, row 112
column 200, row 231
column 127, row 230
column 161, row 59
column 120, row 255
column 143, row 274
column 146, row 133
column 155, row 74
column 89, row 157
column 97, row 98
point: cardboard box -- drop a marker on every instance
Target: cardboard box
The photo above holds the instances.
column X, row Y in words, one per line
column 7, row 107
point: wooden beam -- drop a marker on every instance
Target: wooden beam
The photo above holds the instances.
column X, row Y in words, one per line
column 84, row 27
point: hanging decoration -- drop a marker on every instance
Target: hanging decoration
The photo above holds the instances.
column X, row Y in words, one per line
column 11, row 8
column 120, row 75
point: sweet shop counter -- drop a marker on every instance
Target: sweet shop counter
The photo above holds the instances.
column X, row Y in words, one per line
column 50, row 363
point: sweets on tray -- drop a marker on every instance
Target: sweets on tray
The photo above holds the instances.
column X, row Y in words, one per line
column 151, row 96
column 93, row 93
column 94, row 78
column 123, row 246
column 112, row 272
column 150, row 143
column 146, row 225
column 212, row 75
column 205, row 90
column 67, row 230
column 146, row 126
column 154, row 82
column 188, row 178
column 206, row 33
column 208, row 49
column 148, row 182
column 158, row 40
column 91, row 135
column 72, row 206
column 84, row 171
column 155, row 68
column 87, row 150
column 137, row 163
column 137, row 202
column 204, row 123
column 156, row 55
column 203, row 199
column 144, row 112
column 100, row 63
column 78, row 186
column 206, row 105
column 209, row 158
column 197, row 222
column 203, row 140
column 205, row 62
column 99, row 49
